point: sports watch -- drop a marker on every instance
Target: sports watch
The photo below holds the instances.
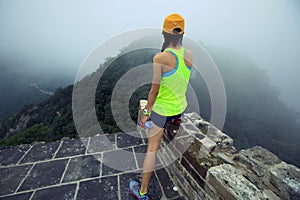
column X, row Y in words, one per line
column 145, row 112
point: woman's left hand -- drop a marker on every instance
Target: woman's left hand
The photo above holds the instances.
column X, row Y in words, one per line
column 143, row 120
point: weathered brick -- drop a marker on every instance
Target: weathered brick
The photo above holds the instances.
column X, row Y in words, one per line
column 229, row 182
column 286, row 179
column 192, row 172
column 257, row 159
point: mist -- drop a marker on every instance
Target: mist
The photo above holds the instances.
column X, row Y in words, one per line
column 44, row 40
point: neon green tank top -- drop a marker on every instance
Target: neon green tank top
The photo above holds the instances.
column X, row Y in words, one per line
column 171, row 98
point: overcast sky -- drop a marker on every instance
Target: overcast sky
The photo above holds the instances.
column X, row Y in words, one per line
column 57, row 35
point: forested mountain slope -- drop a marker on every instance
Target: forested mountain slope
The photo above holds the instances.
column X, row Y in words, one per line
column 255, row 115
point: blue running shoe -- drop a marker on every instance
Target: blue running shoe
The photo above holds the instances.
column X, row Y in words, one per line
column 134, row 189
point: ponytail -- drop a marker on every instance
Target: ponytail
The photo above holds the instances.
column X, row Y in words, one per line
column 171, row 38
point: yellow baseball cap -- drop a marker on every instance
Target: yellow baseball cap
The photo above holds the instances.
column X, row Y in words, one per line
column 173, row 21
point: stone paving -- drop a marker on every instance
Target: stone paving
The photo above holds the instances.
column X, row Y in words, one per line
column 76, row 169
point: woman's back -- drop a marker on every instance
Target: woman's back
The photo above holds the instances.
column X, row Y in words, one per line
column 169, row 61
column 171, row 99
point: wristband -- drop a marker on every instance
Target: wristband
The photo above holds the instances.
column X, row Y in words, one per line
column 145, row 112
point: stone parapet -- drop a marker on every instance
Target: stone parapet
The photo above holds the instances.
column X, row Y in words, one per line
column 204, row 164
column 231, row 184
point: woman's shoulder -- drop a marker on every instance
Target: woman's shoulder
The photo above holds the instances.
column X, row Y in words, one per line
column 161, row 57
column 188, row 57
column 188, row 52
column 164, row 56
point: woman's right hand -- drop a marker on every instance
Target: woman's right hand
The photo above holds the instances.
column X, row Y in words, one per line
column 143, row 121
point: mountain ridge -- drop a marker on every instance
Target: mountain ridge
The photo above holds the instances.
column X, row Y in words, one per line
column 252, row 113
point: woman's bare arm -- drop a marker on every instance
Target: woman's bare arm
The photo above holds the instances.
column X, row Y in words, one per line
column 157, row 73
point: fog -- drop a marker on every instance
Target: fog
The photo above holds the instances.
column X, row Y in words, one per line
column 52, row 38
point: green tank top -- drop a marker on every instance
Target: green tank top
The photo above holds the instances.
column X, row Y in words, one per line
column 171, row 98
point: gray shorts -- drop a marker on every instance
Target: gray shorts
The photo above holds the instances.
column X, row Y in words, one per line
column 160, row 120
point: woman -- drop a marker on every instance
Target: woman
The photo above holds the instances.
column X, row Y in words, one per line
column 167, row 97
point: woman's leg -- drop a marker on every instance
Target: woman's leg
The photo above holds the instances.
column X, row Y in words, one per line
column 154, row 137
